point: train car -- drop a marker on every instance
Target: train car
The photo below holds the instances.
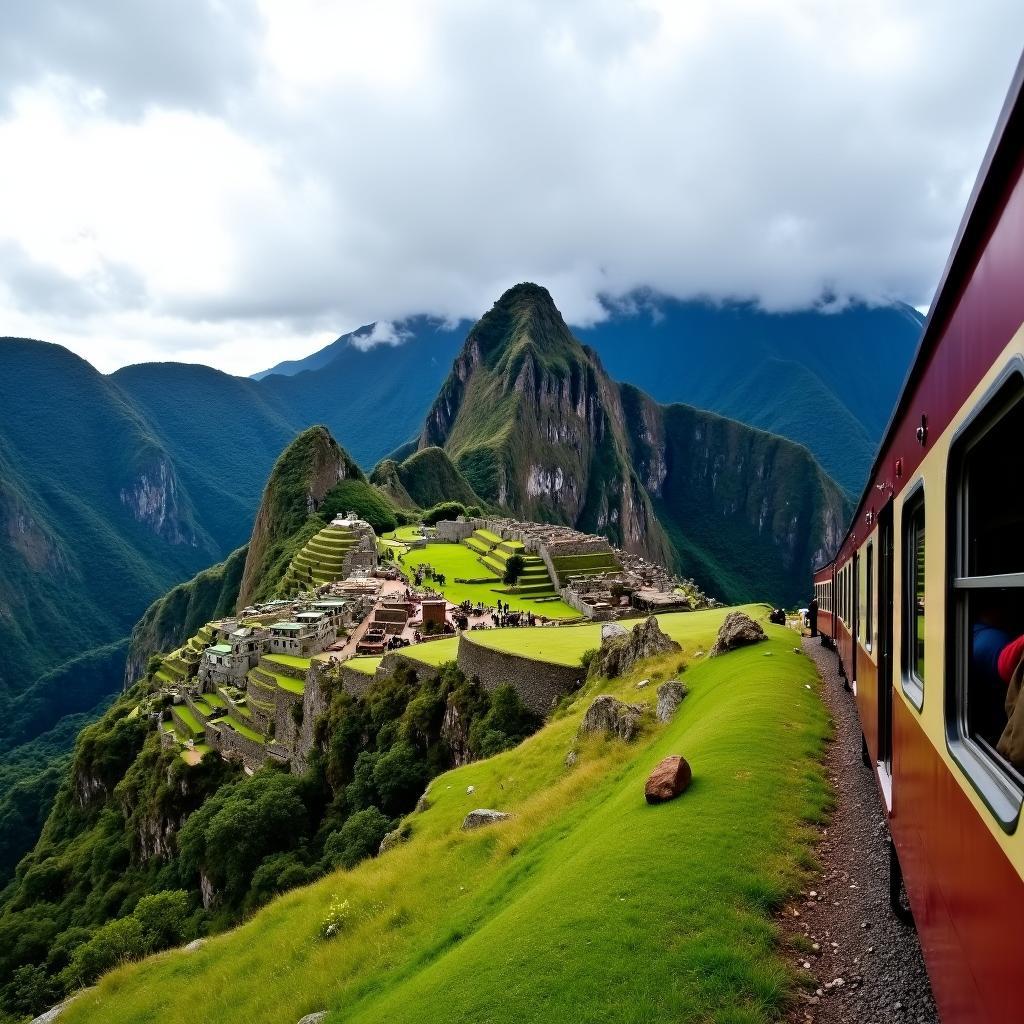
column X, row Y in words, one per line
column 925, row 597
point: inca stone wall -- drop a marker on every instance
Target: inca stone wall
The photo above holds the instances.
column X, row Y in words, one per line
column 540, row 685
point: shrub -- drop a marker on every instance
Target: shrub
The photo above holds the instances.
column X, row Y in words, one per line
column 115, row 943
column 587, row 657
column 513, row 570
column 162, row 918
column 443, row 510
column 357, row 839
column 339, row 917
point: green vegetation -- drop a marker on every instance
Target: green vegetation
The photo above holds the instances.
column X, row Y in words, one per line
column 588, row 904
column 365, row 500
column 426, row 478
column 78, row 904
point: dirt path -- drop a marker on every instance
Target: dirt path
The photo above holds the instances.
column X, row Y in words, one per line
column 868, row 965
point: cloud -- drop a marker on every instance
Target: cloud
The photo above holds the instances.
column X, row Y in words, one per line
column 248, row 181
column 383, row 332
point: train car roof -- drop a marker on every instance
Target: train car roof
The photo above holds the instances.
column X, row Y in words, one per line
column 1002, row 158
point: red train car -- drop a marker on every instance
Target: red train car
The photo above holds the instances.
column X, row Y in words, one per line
column 926, row 589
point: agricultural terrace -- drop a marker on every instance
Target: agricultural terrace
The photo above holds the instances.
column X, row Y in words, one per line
column 459, row 561
column 566, row 645
column 587, row 905
column 433, row 652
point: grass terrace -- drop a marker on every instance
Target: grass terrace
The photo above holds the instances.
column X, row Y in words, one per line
column 566, row 645
column 589, row 905
column 286, row 659
column 182, row 713
column 459, row 561
column 367, row 665
column 433, row 652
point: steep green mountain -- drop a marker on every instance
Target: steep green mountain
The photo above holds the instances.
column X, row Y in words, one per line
column 310, row 467
column 530, row 417
column 94, row 523
column 423, row 479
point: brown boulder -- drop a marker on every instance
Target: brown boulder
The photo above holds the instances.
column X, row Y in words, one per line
column 669, row 778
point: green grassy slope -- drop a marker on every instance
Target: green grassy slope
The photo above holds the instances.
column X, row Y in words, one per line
column 588, row 905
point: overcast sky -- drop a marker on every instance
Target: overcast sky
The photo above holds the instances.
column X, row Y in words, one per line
column 239, row 182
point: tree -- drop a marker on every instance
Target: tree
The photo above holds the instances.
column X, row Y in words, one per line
column 513, row 570
column 357, row 839
column 399, row 777
column 31, row 991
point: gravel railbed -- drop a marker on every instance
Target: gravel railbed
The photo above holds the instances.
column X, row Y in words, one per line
column 867, row 964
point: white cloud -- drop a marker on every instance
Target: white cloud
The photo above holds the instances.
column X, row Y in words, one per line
column 303, row 168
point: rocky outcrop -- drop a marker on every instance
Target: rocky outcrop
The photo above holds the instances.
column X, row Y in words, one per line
column 394, row 838
column 612, row 718
column 670, row 696
column 483, row 816
column 620, row 652
column 455, row 734
column 738, row 630
column 314, row 1018
column 151, row 495
column 670, row 777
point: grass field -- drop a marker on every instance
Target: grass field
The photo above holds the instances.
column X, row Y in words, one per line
column 434, row 652
column 588, row 905
column 456, row 560
column 565, row 645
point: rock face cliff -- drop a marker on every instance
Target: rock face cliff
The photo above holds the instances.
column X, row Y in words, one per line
column 538, row 428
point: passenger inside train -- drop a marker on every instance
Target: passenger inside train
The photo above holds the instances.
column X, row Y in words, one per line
column 991, row 531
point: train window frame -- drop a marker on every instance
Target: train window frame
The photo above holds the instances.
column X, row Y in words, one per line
column 913, row 506
column 869, row 597
column 996, row 782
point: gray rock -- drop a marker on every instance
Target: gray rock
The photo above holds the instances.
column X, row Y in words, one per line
column 572, row 758
column 314, row 1018
column 393, row 838
column 610, row 717
column 483, row 816
column 422, row 804
column 52, row 1014
column 738, row 630
column 195, row 944
column 643, row 683
column 610, row 629
column 670, row 696
column 619, row 653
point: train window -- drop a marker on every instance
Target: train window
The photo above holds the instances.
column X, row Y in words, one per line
column 987, row 546
column 914, row 598
column 869, row 596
